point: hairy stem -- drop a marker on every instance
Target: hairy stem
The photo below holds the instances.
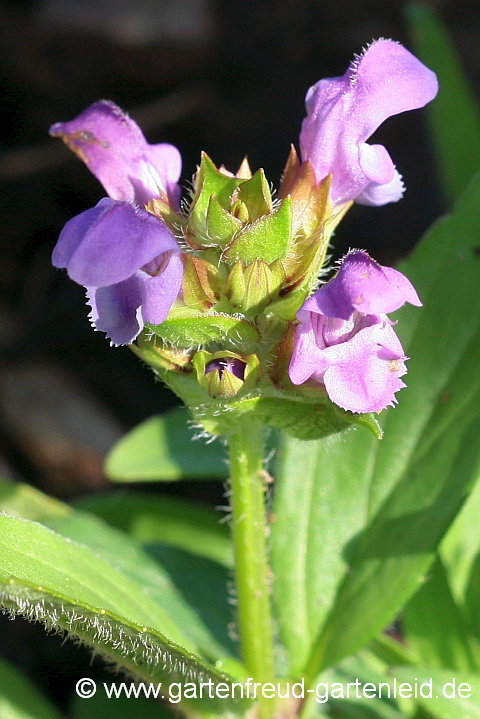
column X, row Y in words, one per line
column 251, row 568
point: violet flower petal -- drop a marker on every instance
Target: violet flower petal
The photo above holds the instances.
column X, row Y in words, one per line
column 343, row 112
column 116, row 152
column 361, row 374
column 121, row 310
column 108, row 243
column 377, row 194
column 307, row 357
column 160, row 292
column 365, row 286
column 71, row 238
column 376, row 163
column 365, row 374
column 116, row 310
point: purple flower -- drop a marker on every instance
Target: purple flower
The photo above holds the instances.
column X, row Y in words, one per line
column 126, row 257
column 116, row 152
column 129, row 262
column 343, row 112
column 345, row 340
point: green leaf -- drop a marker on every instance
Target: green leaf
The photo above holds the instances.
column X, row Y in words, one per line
column 461, row 544
column 319, row 506
column 164, row 585
column 152, row 519
column 391, row 651
column 439, row 705
column 202, row 329
column 442, row 339
column 20, row 699
column 204, row 585
column 22, row 500
column 362, row 519
column 364, row 709
column 267, row 239
column 351, row 688
column 472, row 594
column 386, row 564
column 453, row 115
column 68, row 587
column 435, row 625
column 164, row 448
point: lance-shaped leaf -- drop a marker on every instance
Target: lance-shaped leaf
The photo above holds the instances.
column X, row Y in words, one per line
column 461, row 545
column 446, row 694
column 454, row 117
column 472, row 605
column 152, row 519
column 359, row 688
column 68, row 587
column 365, row 518
column 204, row 622
column 436, row 628
column 148, row 518
column 164, row 448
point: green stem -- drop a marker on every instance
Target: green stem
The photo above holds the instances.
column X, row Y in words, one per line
column 251, row 568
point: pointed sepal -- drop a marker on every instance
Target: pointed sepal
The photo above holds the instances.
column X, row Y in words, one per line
column 208, row 181
column 222, row 225
column 256, row 195
column 268, row 239
column 201, row 283
column 250, row 289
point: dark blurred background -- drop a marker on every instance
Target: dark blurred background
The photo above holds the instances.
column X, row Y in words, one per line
column 225, row 77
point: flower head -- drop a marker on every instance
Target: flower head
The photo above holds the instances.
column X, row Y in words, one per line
column 114, row 149
column 129, row 262
column 345, row 340
column 343, row 112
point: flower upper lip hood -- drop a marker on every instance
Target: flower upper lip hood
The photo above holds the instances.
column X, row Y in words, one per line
column 362, row 285
column 345, row 340
column 116, row 152
column 343, row 112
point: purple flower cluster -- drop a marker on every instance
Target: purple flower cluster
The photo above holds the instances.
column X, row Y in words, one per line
column 345, row 340
column 131, row 265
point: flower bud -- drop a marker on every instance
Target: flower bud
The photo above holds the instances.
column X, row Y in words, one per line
column 250, row 289
column 224, row 374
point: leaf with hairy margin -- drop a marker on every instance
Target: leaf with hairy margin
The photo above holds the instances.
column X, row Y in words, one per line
column 67, row 587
